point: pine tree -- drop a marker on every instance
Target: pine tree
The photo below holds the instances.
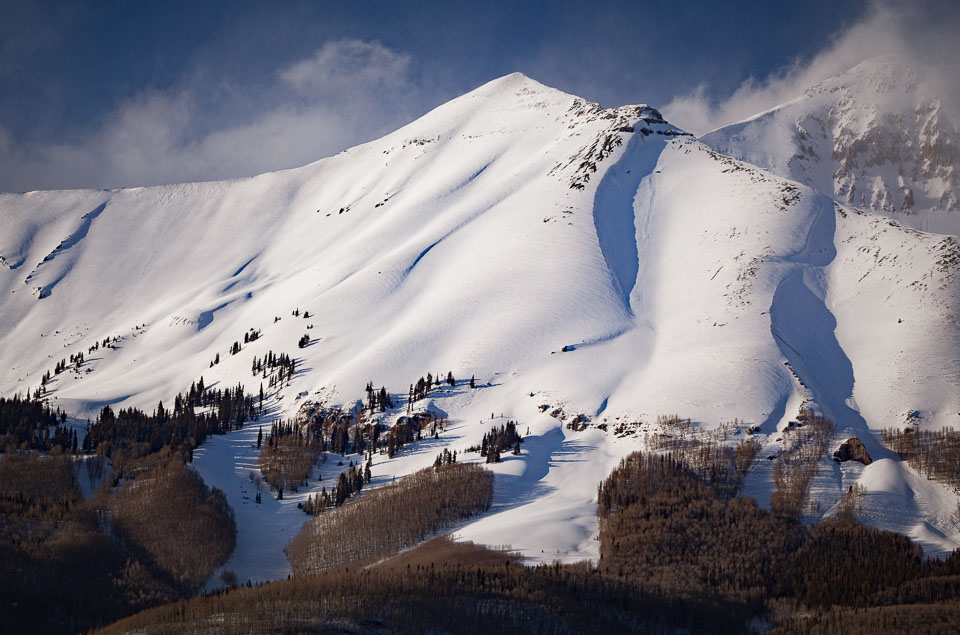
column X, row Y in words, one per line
column 343, row 489
column 473, row 381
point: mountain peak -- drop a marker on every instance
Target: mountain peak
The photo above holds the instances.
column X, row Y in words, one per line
column 513, row 83
column 593, row 269
column 872, row 137
column 880, row 75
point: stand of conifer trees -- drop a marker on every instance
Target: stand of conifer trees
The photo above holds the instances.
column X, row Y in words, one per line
column 26, row 424
column 135, row 433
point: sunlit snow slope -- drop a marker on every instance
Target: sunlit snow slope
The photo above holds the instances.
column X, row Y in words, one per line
column 483, row 239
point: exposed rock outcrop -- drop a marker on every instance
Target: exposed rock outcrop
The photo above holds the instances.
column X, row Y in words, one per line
column 852, row 450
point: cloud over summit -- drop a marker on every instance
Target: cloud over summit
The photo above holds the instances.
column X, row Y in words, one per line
column 922, row 35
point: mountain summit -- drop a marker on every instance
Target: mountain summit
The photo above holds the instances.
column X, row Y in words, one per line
column 873, row 137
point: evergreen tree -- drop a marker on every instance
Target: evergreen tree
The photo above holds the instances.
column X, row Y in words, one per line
column 343, row 489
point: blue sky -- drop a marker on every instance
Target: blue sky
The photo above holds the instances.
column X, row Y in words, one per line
column 108, row 94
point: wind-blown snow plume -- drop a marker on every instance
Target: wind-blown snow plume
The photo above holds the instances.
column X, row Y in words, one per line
column 923, row 34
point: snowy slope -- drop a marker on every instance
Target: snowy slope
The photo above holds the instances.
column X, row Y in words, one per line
column 875, row 137
column 483, row 239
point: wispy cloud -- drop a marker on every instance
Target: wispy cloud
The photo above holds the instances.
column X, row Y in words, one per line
column 347, row 92
column 923, row 34
column 215, row 122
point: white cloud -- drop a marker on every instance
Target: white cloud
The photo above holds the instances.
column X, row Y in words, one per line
column 348, row 92
column 909, row 32
column 340, row 67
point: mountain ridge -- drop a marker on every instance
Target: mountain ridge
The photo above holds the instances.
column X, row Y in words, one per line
column 872, row 137
column 599, row 262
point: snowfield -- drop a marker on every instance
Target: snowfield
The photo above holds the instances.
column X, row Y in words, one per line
column 598, row 262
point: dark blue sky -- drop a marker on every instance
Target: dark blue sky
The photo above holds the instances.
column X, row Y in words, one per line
column 76, row 78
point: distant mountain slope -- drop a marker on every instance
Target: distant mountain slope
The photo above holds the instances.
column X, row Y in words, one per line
column 873, row 137
column 598, row 262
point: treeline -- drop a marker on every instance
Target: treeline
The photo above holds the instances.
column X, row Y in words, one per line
column 933, row 454
column 131, row 432
column 671, row 533
column 26, row 424
column 69, row 565
column 391, row 518
column 677, row 555
column 675, row 536
column 494, row 596
column 901, row 618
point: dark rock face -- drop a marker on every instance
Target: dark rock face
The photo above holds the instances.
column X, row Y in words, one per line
column 852, row 450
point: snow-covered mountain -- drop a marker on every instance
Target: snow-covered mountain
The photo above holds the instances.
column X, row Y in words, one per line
column 599, row 262
column 874, row 137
